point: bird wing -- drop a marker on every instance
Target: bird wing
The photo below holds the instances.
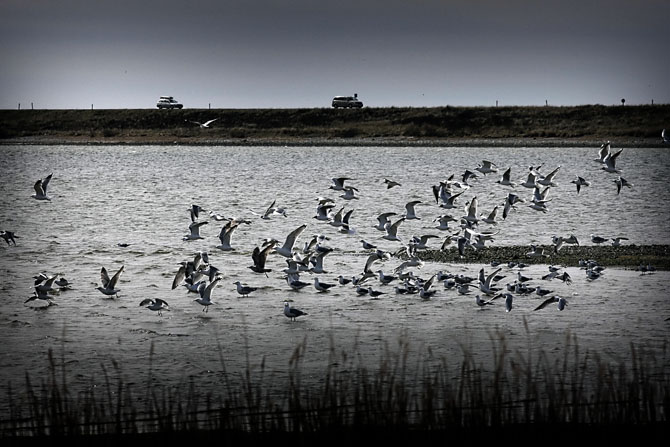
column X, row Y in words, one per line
column 38, row 188
column 546, row 302
column 47, row 179
column 207, row 123
column 179, row 277
column 115, row 278
column 293, row 235
column 104, row 277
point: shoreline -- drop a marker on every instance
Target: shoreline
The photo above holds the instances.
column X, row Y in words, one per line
column 330, row 142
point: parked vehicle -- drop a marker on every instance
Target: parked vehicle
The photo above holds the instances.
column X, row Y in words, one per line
column 347, row 101
column 168, row 102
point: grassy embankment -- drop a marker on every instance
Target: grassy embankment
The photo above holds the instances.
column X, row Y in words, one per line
column 575, row 125
column 558, row 393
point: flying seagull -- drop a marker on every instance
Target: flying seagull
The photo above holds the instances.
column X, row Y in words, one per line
column 109, row 284
column 205, row 124
column 155, row 304
column 41, row 188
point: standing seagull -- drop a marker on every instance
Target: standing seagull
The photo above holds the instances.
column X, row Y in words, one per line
column 109, row 285
column 292, row 312
column 244, row 290
column 41, row 188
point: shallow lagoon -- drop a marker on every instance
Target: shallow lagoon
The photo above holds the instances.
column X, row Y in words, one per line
column 105, row 195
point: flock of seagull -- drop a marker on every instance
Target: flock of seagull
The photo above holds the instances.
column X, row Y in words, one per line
column 200, row 277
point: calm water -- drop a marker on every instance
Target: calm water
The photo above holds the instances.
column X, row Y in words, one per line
column 105, row 195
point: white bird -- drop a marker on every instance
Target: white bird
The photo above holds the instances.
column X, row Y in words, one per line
column 536, row 252
column 506, row 178
column 286, row 250
column 42, row 296
column 548, row 180
column 205, row 124
column 157, row 305
column 610, row 162
column 509, row 298
column 205, row 292
column 45, row 284
column 243, row 289
column 481, row 303
column 338, row 183
column 291, row 312
column 410, row 208
column 195, row 231
column 41, row 188
column 226, row 234
column 603, row 152
column 349, row 193
column 485, row 285
column 317, row 263
column 616, row 242
column 270, row 211
column 491, row 218
column 444, row 221
column 109, row 285
column 665, row 136
column 580, row 181
column 531, row 181
column 392, row 230
column 471, row 210
column 511, row 200
column 486, row 167
column 367, row 245
column 554, row 299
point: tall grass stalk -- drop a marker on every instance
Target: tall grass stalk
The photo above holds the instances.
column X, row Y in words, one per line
column 408, row 389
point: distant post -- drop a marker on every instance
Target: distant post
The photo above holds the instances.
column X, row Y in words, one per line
column 496, row 103
column 31, row 106
column 623, row 101
column 19, row 106
column 91, row 106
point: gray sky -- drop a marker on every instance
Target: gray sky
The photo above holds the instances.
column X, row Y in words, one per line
column 301, row 53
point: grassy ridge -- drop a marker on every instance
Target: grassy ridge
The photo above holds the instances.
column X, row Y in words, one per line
column 586, row 123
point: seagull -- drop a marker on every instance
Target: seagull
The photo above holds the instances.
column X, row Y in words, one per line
column 620, row 183
column 225, row 234
column 194, row 210
column 291, row 312
column 510, row 201
column 244, row 290
column 155, row 304
column 542, row 292
column 109, row 285
column 448, row 202
column 598, row 239
column 531, row 181
column 41, row 188
column 62, row 283
column 44, row 284
column 603, row 152
column 505, row 180
column 444, row 221
column 368, row 245
column 554, row 299
column 383, row 219
column 217, row 217
column 485, row 285
column 195, row 231
column 343, row 281
column 322, row 286
column 610, row 162
column 410, row 208
column 471, row 209
column 491, row 218
column 286, row 250
column 270, row 211
column 205, row 292
column 509, row 298
column 392, row 230
column 205, row 124
column 487, row 167
column 548, row 180
column 390, row 183
column 349, row 193
column 317, row 262
column 9, row 237
column 259, row 257
column 579, row 181
column 536, row 252
column 616, row 242
column 38, row 295
column 338, row 183
column 665, row 136
column 481, row 303
column 293, row 280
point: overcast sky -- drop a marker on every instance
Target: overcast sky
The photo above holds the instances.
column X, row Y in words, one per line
column 301, row 53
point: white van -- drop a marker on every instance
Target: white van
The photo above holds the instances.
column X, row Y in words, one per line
column 168, row 102
column 347, row 101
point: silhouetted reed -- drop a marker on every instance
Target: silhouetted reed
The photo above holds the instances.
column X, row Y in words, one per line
column 408, row 389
